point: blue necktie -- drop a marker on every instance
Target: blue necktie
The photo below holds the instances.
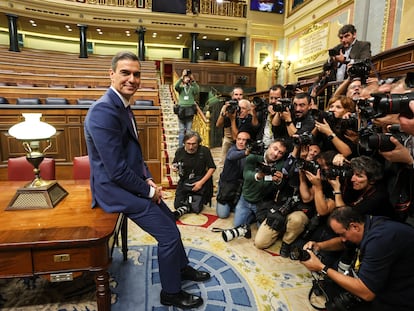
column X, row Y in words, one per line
column 132, row 118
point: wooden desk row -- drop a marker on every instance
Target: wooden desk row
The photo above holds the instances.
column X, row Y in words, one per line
column 71, row 81
column 65, row 70
column 11, row 93
column 28, row 56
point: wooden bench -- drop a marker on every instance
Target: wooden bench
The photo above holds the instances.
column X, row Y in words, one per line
column 48, row 80
column 12, row 93
column 47, row 58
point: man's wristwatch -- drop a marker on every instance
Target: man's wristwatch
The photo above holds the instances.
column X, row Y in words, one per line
column 332, row 136
column 324, row 270
column 288, row 122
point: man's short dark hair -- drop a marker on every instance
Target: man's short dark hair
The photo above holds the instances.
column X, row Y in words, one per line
column 121, row 56
column 279, row 87
column 303, row 95
column 344, row 215
column 191, row 134
column 347, row 28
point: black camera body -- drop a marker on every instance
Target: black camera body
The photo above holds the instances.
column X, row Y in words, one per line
column 188, row 71
column 310, row 166
column 360, row 70
column 292, row 87
column 393, row 103
column 343, row 124
column 255, row 147
column 366, row 108
column 303, row 139
column 297, row 253
column 266, row 168
column 233, row 106
column 334, row 171
column 284, row 103
column 335, row 51
column 259, row 103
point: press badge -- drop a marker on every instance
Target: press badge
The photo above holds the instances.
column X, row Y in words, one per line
column 298, row 125
column 268, row 178
column 186, row 97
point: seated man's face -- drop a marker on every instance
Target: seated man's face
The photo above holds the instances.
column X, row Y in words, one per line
column 301, row 107
column 244, row 110
column 191, row 145
column 354, row 90
column 241, row 140
column 275, row 152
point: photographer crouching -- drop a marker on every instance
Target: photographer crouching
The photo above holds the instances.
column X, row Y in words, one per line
column 384, row 277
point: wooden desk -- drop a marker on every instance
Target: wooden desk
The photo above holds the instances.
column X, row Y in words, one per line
column 59, row 242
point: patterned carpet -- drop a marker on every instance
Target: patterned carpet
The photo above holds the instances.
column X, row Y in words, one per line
column 244, row 278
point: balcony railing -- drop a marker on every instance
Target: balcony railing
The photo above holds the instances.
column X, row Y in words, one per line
column 208, row 7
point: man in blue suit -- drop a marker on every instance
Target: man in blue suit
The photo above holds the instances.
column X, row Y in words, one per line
column 122, row 183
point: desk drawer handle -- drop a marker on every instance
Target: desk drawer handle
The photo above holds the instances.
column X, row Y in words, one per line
column 61, row 258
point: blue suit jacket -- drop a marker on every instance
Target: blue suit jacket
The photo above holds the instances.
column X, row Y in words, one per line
column 118, row 171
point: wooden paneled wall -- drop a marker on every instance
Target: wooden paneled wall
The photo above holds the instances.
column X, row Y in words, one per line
column 69, row 140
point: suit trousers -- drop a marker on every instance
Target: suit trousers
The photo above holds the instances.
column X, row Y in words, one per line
column 159, row 222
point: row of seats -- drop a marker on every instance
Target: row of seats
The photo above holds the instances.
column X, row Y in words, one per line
column 64, row 101
column 19, row 169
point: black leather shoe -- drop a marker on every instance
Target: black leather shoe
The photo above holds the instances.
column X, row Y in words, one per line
column 285, row 250
column 181, row 300
column 191, row 274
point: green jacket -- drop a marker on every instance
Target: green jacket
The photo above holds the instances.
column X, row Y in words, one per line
column 255, row 191
column 187, row 95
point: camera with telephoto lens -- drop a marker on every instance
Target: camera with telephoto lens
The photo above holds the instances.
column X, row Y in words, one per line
column 372, row 140
column 360, row 70
column 259, row 103
column 393, row 103
column 266, row 168
column 303, row 139
column 255, row 147
column 334, row 171
column 366, row 108
column 233, row 106
column 282, row 104
column 310, row 166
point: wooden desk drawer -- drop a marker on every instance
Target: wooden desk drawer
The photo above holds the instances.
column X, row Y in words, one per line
column 15, row 263
column 80, row 258
column 56, row 260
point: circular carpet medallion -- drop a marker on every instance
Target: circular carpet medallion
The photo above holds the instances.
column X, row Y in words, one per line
column 136, row 282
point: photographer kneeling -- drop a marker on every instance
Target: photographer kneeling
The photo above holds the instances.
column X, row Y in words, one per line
column 385, row 278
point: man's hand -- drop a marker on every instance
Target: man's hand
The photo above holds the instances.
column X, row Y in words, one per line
column 315, row 180
column 286, row 115
column 400, row 154
column 197, row 186
column 277, row 177
column 314, row 263
column 158, row 196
